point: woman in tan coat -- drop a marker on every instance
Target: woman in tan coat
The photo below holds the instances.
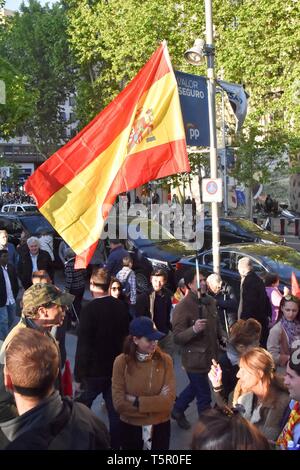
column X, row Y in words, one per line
column 143, row 388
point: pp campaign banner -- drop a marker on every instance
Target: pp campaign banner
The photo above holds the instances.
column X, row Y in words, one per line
column 194, row 107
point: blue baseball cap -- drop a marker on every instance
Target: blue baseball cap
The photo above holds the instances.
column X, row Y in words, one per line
column 144, row 326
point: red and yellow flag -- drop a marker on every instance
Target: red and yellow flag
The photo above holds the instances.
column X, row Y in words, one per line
column 137, row 138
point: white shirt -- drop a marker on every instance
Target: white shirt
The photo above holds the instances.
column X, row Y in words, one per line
column 34, row 262
column 10, row 296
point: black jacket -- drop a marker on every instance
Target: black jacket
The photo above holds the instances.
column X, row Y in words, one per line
column 75, row 427
column 24, row 269
column 103, row 327
column 13, row 281
column 162, row 309
column 254, row 300
column 254, row 303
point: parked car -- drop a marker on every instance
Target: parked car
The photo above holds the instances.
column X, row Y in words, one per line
column 33, row 222
column 239, row 230
column 265, row 258
column 148, row 240
column 19, row 208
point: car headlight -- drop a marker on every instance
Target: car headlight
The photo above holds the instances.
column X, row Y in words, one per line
column 267, row 242
column 158, row 262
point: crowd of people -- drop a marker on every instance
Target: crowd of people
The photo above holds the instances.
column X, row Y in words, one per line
column 240, row 356
column 18, row 197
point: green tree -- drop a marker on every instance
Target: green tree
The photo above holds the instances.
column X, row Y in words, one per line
column 18, row 101
column 35, row 44
column 113, row 39
column 257, row 44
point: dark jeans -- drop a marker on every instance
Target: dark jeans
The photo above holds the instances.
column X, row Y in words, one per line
column 91, row 388
column 197, row 388
column 132, row 436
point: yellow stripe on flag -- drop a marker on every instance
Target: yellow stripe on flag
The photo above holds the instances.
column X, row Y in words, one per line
column 162, row 98
column 75, row 211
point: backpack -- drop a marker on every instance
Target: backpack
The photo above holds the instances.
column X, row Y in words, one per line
column 126, row 288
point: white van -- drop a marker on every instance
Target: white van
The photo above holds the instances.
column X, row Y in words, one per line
column 9, row 208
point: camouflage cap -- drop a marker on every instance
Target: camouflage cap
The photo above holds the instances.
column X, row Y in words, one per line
column 41, row 294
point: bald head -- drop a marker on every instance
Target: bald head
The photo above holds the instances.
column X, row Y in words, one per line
column 245, row 266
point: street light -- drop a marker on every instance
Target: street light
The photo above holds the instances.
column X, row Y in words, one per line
column 194, row 56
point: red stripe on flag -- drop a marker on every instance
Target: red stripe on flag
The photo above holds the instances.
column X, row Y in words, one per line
column 88, row 145
column 82, row 260
column 141, row 167
column 294, row 285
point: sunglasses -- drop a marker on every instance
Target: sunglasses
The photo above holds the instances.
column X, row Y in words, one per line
column 291, row 297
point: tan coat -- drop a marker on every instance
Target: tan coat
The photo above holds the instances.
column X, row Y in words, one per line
column 198, row 349
column 278, row 345
column 144, row 380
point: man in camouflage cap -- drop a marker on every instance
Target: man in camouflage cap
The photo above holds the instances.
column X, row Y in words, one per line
column 44, row 306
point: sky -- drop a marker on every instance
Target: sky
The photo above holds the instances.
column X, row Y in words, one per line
column 15, row 4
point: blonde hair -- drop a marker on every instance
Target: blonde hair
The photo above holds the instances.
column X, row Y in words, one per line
column 258, row 359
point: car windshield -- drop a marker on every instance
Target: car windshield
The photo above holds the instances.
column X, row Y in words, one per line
column 250, row 226
column 285, row 266
column 36, row 224
column 30, row 208
column 146, row 232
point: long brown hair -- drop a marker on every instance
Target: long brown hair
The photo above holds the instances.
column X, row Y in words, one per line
column 217, row 430
column 258, row 359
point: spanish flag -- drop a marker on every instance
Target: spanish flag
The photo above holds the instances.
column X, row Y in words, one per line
column 137, row 138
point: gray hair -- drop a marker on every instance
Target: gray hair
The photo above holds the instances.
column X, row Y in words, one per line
column 214, row 279
column 33, row 240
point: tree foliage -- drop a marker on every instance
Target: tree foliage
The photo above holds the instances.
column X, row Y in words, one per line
column 108, row 41
column 257, row 44
column 35, row 44
column 18, row 101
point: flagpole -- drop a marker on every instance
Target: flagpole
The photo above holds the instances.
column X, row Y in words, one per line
column 224, row 155
column 211, row 86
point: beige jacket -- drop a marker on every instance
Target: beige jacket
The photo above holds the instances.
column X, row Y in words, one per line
column 278, row 345
column 144, row 380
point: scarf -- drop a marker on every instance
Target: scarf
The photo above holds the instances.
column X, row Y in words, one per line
column 292, row 329
column 288, row 430
column 141, row 357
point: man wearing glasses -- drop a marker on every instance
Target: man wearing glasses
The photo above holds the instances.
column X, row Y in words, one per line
column 44, row 306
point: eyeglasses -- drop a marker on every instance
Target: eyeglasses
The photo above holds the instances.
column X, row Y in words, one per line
column 49, row 305
column 116, row 288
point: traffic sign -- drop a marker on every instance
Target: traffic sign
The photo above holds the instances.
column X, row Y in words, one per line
column 212, row 190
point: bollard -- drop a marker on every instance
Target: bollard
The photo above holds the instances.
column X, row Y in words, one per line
column 282, row 223
column 296, row 227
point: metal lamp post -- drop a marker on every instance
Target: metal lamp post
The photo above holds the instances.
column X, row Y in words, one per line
column 194, row 57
